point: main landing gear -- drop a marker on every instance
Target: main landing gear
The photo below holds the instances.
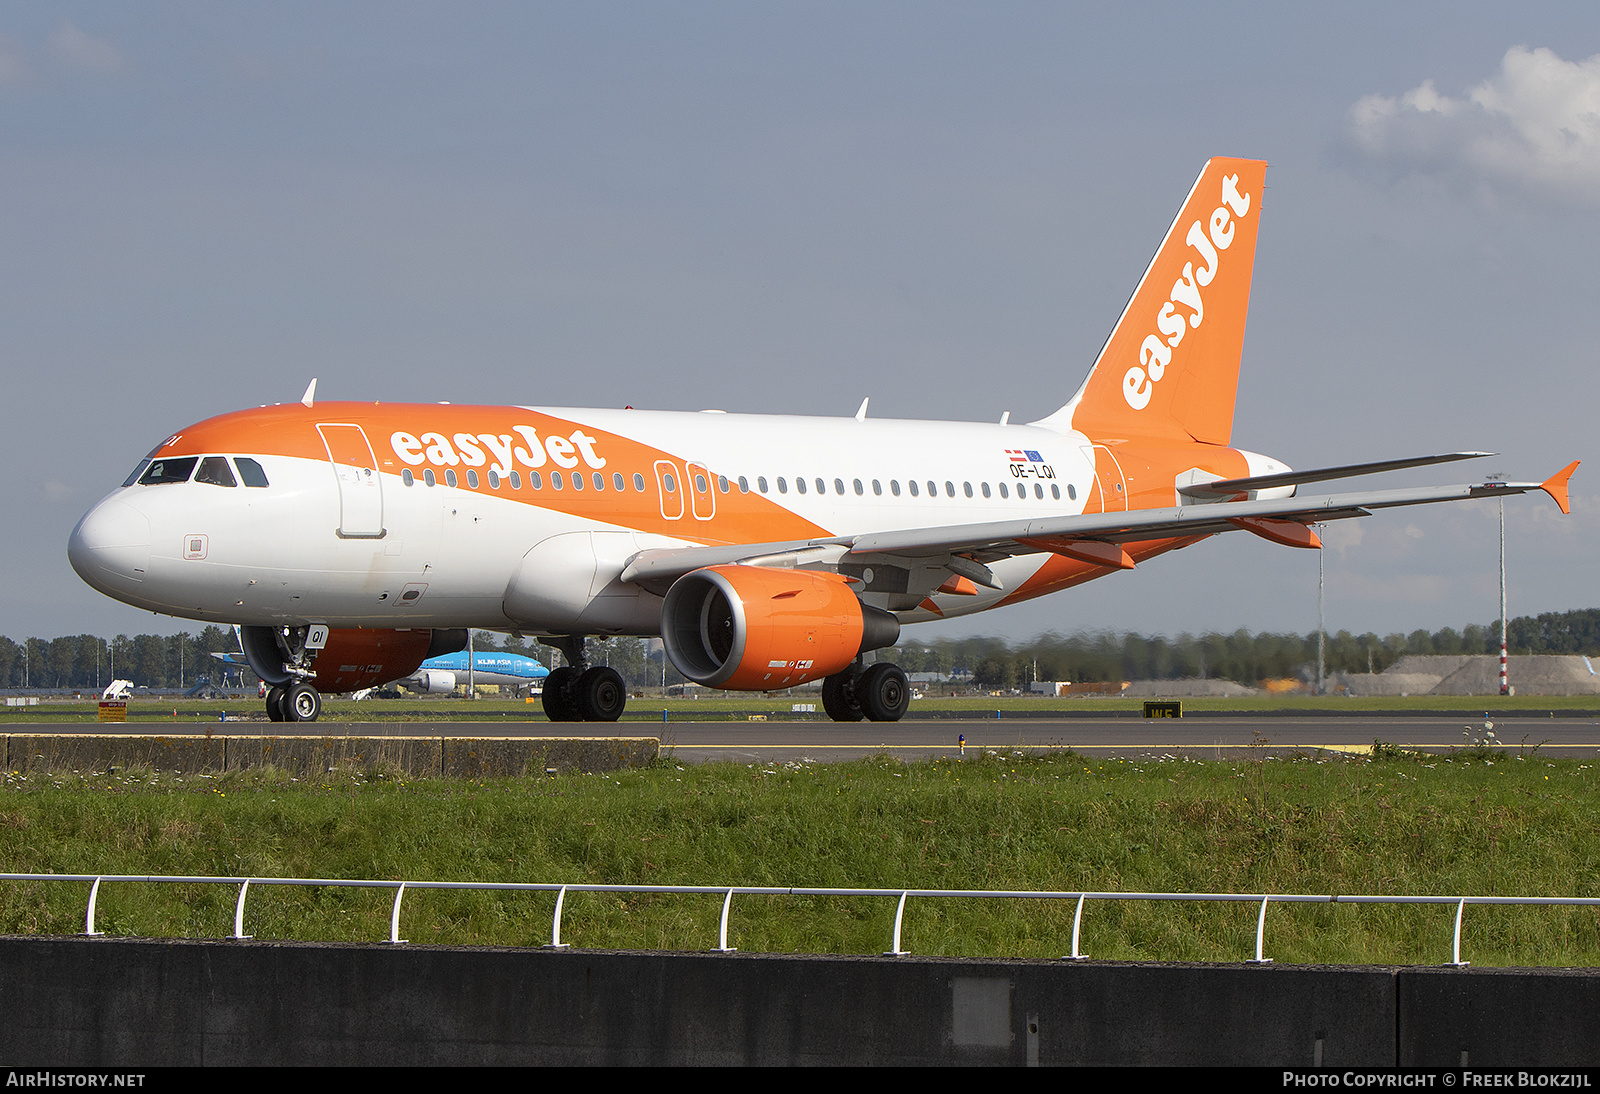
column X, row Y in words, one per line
column 880, row 693
column 579, row 692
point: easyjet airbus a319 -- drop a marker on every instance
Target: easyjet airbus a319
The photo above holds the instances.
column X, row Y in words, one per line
column 351, row 541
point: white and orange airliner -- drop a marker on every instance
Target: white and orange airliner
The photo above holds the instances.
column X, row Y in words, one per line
column 350, row 541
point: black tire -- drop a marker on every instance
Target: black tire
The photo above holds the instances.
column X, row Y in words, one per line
column 839, row 696
column 883, row 693
column 275, row 704
column 302, row 703
column 557, row 699
column 599, row 695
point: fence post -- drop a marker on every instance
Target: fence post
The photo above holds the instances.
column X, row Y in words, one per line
column 1261, row 929
column 88, row 926
column 1455, row 952
column 722, row 933
column 555, row 923
column 394, row 916
column 1077, row 922
column 238, row 934
column 899, row 913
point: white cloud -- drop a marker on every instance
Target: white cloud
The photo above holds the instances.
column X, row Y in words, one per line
column 1532, row 129
column 79, row 50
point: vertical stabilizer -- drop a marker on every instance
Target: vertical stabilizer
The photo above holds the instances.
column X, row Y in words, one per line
column 1171, row 365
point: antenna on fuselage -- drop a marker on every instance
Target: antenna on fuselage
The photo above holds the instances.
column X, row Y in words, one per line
column 310, row 396
column 861, row 411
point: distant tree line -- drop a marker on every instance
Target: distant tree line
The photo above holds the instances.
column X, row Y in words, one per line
column 87, row 661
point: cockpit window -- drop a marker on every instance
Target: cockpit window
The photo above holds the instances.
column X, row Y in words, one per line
column 215, row 471
column 174, row 470
column 137, row 471
column 250, row 471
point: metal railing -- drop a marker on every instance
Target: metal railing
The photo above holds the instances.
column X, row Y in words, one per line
column 728, row 892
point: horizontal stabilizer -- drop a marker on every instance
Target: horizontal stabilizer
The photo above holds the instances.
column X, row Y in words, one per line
column 1228, row 487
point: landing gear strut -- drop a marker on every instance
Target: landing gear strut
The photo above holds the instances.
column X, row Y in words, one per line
column 880, row 693
column 578, row 692
column 295, row 700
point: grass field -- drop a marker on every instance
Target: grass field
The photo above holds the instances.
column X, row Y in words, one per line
column 1477, row 822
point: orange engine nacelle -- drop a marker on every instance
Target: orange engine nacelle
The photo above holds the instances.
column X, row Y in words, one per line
column 749, row 628
column 354, row 659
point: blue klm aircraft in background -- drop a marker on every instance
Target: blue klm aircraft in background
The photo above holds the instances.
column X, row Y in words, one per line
column 440, row 675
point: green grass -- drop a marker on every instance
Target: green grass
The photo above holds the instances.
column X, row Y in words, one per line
column 1481, row 823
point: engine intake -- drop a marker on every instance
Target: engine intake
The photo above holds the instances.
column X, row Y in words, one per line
column 750, row 628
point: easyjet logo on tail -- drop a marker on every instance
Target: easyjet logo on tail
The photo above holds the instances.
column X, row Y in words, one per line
column 1209, row 241
column 525, row 448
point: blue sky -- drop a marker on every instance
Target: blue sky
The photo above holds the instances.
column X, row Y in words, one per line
column 786, row 207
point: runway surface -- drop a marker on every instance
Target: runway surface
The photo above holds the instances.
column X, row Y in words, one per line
column 1207, row 737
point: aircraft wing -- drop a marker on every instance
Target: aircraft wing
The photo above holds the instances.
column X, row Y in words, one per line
column 1283, row 520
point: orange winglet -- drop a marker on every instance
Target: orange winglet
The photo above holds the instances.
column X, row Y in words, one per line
column 1289, row 533
column 1556, row 485
column 1093, row 551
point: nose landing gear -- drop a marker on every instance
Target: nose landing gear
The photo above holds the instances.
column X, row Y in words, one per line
column 294, row 699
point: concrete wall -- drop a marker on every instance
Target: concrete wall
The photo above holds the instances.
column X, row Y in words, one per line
column 421, row 757
column 134, row 1003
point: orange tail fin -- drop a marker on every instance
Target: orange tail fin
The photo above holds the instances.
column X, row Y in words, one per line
column 1171, row 366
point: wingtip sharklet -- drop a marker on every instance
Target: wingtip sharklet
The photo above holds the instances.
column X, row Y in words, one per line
column 1556, row 486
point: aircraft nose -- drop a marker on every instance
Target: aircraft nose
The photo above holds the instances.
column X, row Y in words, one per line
column 110, row 547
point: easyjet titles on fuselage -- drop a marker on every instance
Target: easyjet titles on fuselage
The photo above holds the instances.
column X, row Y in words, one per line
column 468, row 449
column 1138, row 383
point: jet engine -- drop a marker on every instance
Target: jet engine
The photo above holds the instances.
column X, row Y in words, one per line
column 433, row 682
column 751, row 628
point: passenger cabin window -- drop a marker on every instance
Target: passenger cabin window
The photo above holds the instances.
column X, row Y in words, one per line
column 783, row 485
column 406, row 476
column 427, row 476
column 599, row 481
column 214, row 471
column 137, row 471
column 472, row 479
column 912, row 485
column 799, row 484
column 616, row 481
column 450, row 478
column 822, row 487
column 894, row 487
column 638, row 482
column 516, row 480
column 165, row 471
column 877, row 488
